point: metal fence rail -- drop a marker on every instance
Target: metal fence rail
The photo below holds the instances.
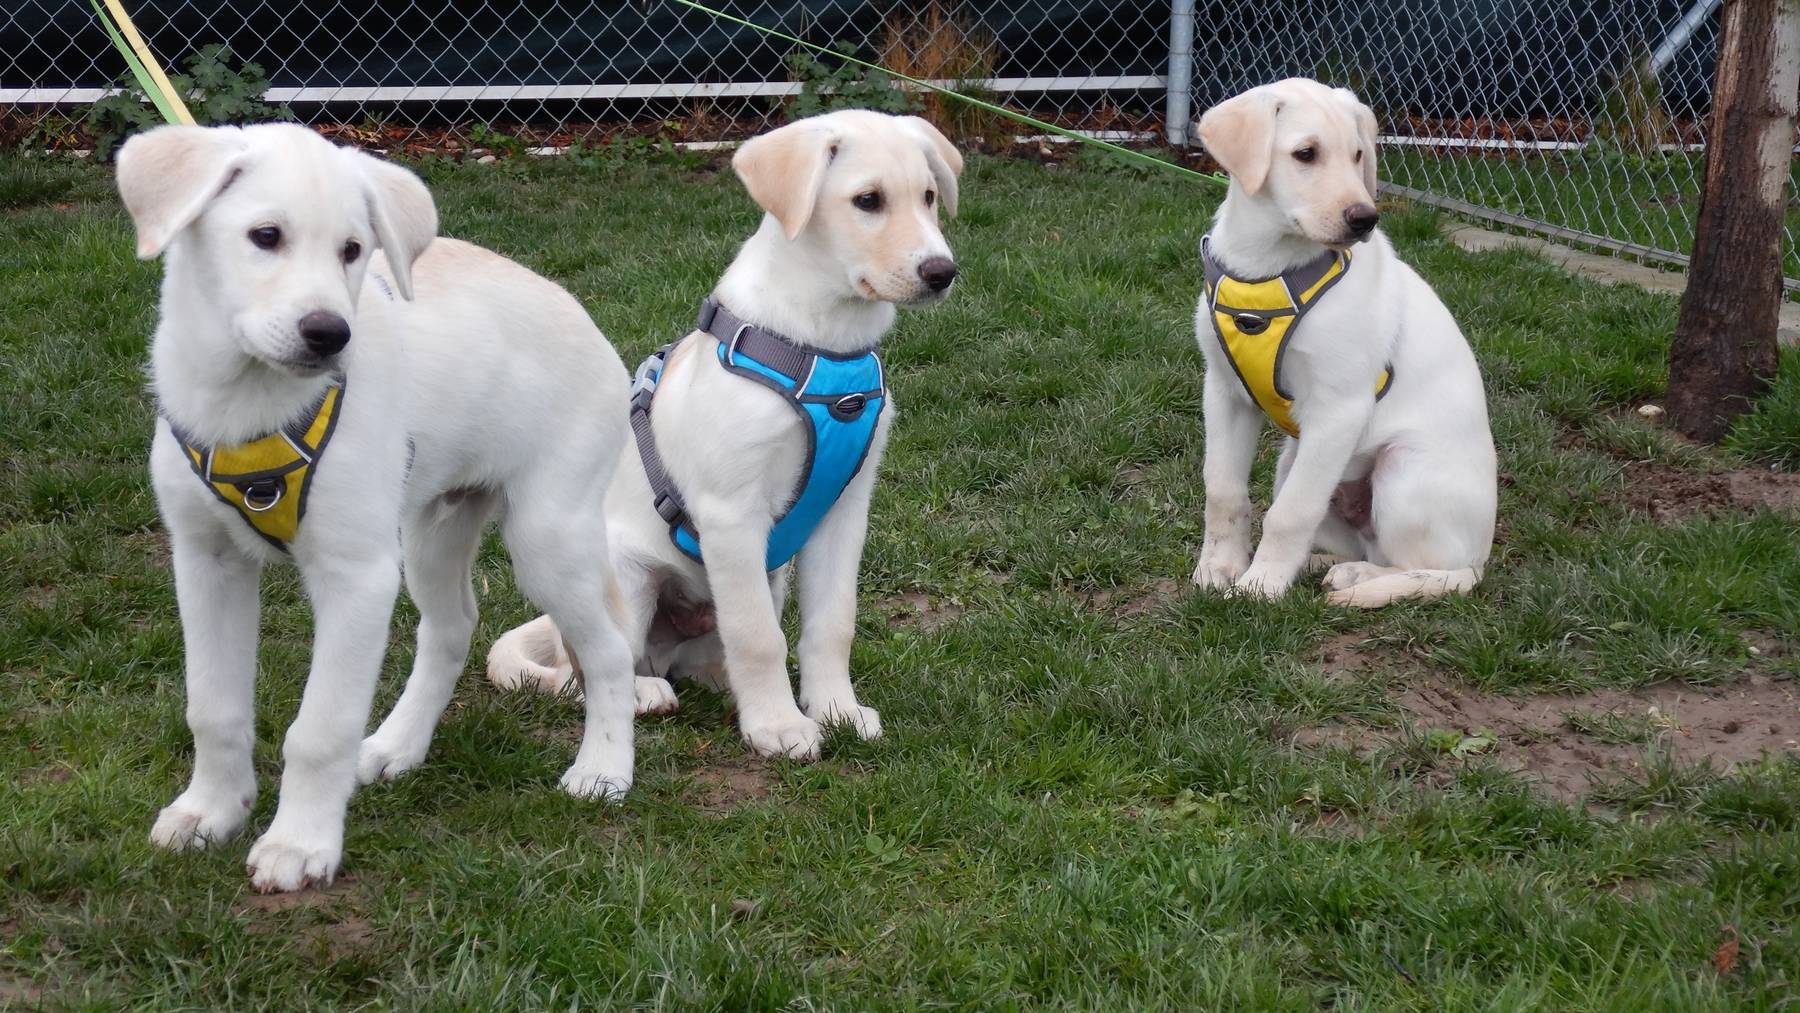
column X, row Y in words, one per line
column 1587, row 116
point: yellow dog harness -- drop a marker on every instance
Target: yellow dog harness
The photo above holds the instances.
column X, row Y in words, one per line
column 1255, row 321
column 267, row 479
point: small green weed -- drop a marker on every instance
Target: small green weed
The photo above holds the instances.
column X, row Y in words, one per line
column 214, row 90
column 828, row 84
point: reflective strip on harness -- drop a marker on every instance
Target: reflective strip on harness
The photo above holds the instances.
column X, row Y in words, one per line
column 839, row 399
column 267, row 479
column 1255, row 320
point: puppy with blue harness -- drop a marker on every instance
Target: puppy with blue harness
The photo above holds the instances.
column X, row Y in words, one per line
column 838, row 398
column 759, row 436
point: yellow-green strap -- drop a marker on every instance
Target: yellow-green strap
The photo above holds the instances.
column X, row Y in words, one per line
column 1120, row 150
column 149, row 73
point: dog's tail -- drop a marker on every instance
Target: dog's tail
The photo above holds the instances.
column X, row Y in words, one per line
column 1378, row 591
column 530, row 657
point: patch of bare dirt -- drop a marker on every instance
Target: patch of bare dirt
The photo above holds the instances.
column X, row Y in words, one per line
column 18, row 990
column 731, row 782
column 331, row 922
column 1566, row 741
column 349, row 936
column 1352, row 655
column 1134, row 601
column 319, row 898
column 45, row 775
column 916, row 608
column 1672, row 495
column 1133, row 475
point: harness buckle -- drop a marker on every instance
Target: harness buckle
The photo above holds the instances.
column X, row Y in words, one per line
column 669, row 508
column 1251, row 323
column 261, row 495
column 849, row 407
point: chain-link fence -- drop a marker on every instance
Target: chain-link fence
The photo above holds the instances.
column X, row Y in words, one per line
column 1583, row 119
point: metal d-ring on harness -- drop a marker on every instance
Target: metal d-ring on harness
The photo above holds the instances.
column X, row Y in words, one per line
column 1255, row 319
column 267, row 479
column 839, row 400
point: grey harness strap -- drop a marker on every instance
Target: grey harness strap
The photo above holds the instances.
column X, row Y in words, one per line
column 774, row 351
column 837, row 398
column 738, row 335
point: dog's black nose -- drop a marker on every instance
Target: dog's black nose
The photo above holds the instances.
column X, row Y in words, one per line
column 937, row 273
column 324, row 333
column 1361, row 218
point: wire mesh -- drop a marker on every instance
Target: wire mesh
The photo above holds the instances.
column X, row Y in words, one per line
column 1588, row 115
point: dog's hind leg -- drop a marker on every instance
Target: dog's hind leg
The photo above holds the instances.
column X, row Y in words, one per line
column 1380, row 586
column 216, row 588
column 440, row 544
column 561, row 559
column 1431, row 524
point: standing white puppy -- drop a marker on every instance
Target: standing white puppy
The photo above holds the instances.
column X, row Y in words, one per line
column 1310, row 319
column 348, row 410
column 760, row 432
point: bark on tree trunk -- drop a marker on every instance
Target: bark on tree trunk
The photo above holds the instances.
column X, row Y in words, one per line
column 1724, row 350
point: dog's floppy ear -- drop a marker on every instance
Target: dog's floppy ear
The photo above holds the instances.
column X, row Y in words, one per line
column 1239, row 133
column 402, row 214
column 946, row 162
column 167, row 176
column 784, row 169
column 1366, row 132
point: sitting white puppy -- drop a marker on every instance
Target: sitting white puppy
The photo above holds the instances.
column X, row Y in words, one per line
column 311, row 410
column 1388, row 463
column 761, row 430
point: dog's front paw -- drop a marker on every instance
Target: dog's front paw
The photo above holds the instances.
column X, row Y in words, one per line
column 655, row 696
column 1261, row 582
column 1218, row 571
column 795, row 736
column 596, row 783
column 385, row 757
column 865, row 720
column 198, row 819
column 282, row 862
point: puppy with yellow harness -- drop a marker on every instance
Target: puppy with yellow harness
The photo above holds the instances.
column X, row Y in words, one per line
column 1310, row 320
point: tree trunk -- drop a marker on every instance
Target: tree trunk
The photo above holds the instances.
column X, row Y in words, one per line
column 1724, row 350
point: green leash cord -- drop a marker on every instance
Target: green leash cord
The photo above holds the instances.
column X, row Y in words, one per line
column 1120, row 150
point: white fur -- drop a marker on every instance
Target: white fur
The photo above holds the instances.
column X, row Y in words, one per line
column 512, row 403
column 735, row 451
column 1425, row 447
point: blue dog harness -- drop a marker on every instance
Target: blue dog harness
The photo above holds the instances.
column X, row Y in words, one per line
column 839, row 400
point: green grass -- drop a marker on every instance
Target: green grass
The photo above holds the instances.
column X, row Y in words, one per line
column 1651, row 200
column 1076, row 804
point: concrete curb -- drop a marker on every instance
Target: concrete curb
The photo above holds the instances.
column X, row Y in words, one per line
column 1610, row 270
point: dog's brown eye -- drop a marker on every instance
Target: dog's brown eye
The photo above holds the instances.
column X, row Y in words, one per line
column 930, row 198
column 1305, row 155
column 352, row 250
column 870, row 201
column 266, row 238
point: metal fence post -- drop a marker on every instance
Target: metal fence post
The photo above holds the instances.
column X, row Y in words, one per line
column 1178, row 107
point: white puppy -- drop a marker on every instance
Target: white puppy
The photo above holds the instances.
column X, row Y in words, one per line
column 851, row 229
column 352, row 410
column 1389, row 463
